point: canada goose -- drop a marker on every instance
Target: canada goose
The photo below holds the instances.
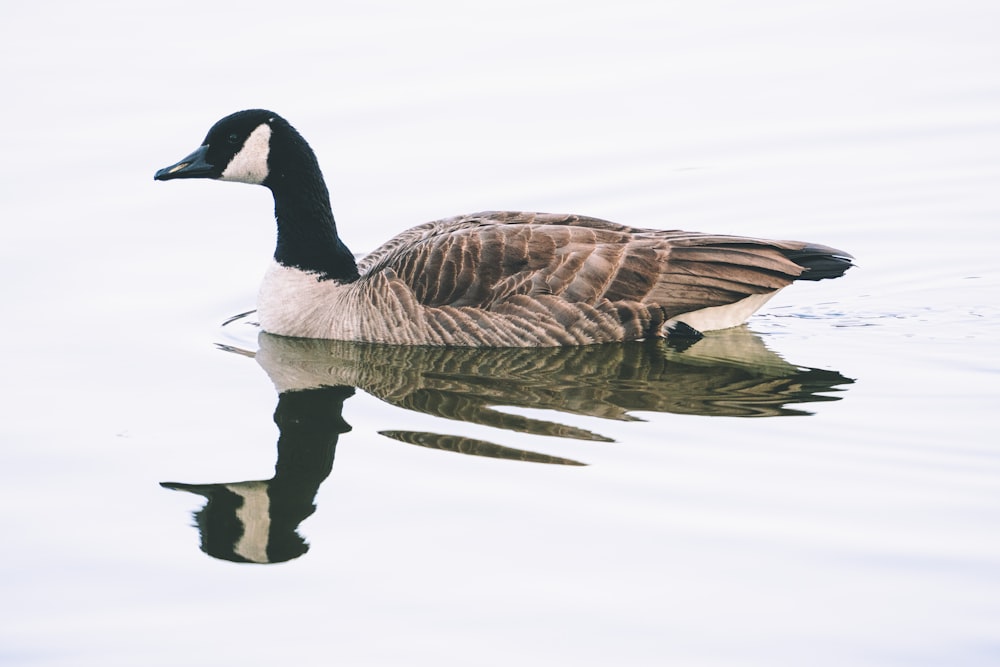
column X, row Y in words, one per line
column 498, row 279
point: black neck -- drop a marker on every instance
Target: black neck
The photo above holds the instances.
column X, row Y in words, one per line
column 307, row 233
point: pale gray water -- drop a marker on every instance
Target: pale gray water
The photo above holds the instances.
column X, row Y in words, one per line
column 860, row 533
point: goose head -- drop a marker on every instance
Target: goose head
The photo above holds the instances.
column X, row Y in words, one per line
column 239, row 148
column 260, row 147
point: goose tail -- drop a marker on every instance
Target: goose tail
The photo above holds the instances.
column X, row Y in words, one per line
column 820, row 262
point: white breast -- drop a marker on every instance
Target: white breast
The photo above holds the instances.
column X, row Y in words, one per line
column 293, row 302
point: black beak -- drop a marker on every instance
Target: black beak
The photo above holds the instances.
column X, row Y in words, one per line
column 193, row 166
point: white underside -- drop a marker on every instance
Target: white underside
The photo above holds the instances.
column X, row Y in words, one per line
column 723, row 317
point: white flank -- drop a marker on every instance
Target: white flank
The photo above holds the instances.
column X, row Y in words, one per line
column 723, row 317
column 255, row 515
column 250, row 164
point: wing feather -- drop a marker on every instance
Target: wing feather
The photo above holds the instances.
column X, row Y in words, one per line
column 485, row 260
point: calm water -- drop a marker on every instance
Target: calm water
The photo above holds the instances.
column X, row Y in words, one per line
column 821, row 487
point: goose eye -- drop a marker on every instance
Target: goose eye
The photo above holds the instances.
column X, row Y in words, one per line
column 233, row 138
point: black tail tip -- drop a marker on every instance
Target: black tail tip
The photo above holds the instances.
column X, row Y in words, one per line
column 821, row 262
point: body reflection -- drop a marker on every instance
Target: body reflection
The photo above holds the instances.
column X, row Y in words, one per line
column 729, row 374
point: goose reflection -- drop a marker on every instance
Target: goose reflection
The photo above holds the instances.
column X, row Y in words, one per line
column 257, row 521
column 729, row 373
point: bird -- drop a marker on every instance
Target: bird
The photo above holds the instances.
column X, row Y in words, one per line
column 488, row 279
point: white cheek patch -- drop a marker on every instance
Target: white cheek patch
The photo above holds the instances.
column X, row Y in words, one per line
column 250, row 164
column 255, row 514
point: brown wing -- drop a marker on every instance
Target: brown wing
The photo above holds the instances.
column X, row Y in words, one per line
column 487, row 258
